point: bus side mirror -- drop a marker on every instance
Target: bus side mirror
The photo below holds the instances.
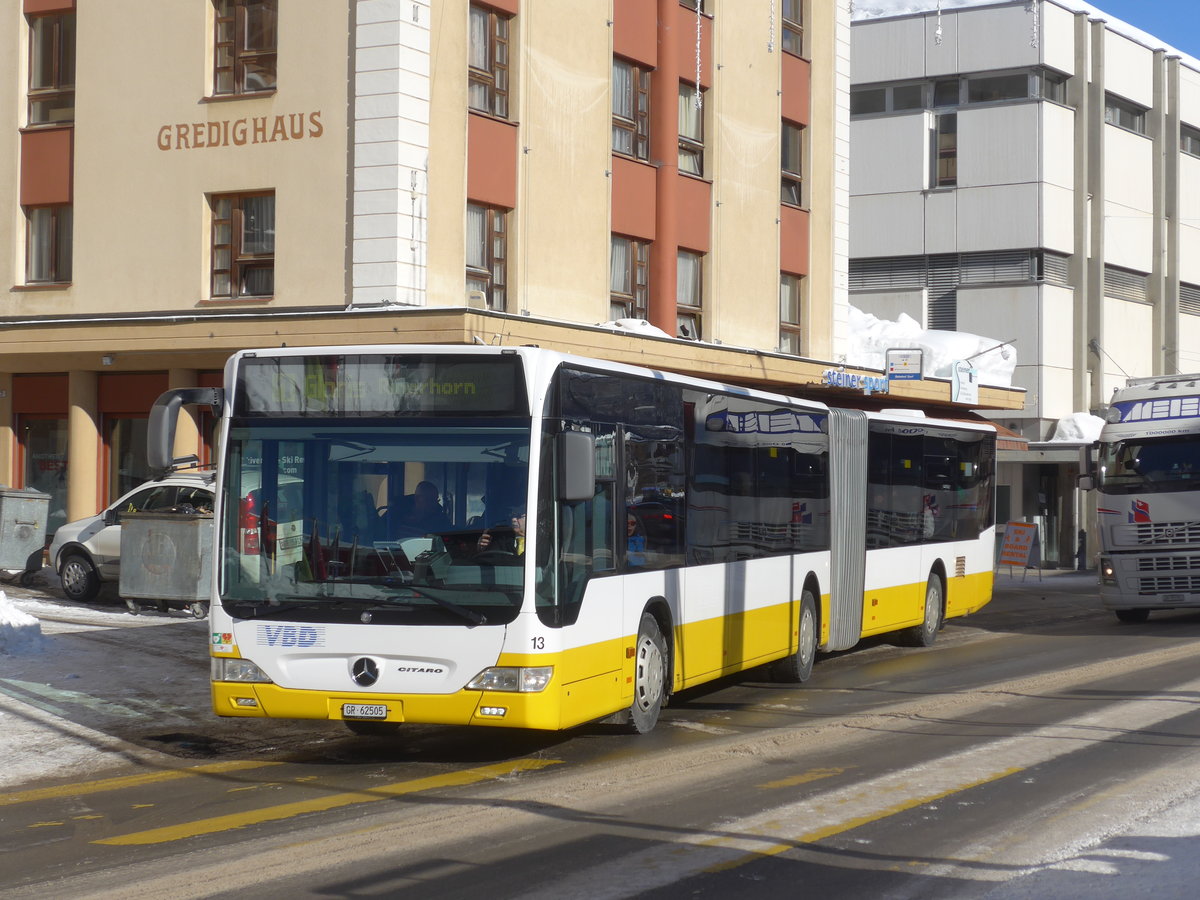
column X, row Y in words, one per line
column 164, row 415
column 576, row 466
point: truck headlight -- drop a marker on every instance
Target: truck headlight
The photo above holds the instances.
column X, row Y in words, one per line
column 513, row 679
column 242, row 670
column 1108, row 574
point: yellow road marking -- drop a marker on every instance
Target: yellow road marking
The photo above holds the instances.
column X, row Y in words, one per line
column 322, row 804
column 804, row 778
column 829, row 831
column 124, row 781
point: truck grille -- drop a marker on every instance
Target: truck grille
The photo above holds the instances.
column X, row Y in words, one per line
column 1169, row 584
column 1157, row 533
column 1167, row 563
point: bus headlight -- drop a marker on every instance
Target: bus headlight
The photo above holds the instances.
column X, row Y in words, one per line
column 237, row 670
column 1108, row 575
column 513, row 679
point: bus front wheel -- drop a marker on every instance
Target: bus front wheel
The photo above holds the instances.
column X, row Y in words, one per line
column 649, row 676
column 798, row 667
column 925, row 634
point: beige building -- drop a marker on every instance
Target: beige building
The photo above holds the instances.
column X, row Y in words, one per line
column 316, row 172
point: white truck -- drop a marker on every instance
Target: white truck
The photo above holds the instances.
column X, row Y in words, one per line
column 1147, row 478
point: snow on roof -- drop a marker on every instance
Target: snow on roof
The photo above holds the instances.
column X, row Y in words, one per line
column 874, row 9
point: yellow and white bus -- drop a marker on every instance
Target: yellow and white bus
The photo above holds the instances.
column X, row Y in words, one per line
column 516, row 537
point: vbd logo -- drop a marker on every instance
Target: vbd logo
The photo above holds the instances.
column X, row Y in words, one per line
column 1139, row 511
column 302, row 636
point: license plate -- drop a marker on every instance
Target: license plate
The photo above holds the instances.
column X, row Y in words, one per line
column 364, row 711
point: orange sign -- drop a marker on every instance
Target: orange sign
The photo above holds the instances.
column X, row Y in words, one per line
column 1018, row 543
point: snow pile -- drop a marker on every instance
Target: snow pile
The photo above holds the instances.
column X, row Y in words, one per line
column 1077, row 428
column 634, row 326
column 873, row 9
column 871, row 337
column 19, row 631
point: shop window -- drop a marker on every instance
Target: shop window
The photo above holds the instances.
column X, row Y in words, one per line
column 243, row 246
column 630, row 110
column 125, row 445
column 245, row 46
column 487, row 253
column 52, row 69
column 488, row 62
column 43, row 449
column 48, row 244
column 629, row 283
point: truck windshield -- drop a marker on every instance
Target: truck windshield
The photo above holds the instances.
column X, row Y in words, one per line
column 1150, row 465
column 364, row 520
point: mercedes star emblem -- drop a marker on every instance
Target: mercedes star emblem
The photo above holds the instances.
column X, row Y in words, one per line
column 365, row 672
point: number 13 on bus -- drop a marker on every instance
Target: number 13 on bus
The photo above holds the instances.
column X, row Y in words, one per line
column 520, row 538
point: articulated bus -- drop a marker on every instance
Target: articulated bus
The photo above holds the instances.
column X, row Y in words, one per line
column 516, row 537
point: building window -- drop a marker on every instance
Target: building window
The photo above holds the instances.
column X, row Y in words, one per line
column 487, row 254
column 793, row 26
column 488, row 63
column 628, row 281
column 792, row 165
column 946, row 92
column 1051, row 86
column 689, row 295
column 1189, row 140
column 864, row 101
column 991, row 88
column 631, row 110
column 1124, row 114
column 52, row 69
column 243, row 245
column 245, row 46
column 789, row 313
column 691, row 129
column 48, row 243
column 945, row 150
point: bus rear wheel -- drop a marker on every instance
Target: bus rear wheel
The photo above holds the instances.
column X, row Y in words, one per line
column 925, row 634
column 798, row 667
column 649, row 676
column 1132, row 616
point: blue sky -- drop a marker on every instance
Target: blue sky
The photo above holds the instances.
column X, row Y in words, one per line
column 1175, row 22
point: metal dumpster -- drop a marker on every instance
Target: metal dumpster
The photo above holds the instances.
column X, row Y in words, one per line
column 22, row 530
column 166, row 560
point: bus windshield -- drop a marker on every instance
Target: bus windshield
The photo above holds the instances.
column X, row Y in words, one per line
column 414, row 522
column 1150, row 465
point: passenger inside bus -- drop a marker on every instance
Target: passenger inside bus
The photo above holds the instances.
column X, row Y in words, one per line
column 422, row 511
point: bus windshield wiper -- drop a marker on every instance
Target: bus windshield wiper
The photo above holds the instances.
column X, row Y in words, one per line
column 469, row 614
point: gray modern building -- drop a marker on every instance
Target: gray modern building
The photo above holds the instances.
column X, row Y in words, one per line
column 1030, row 172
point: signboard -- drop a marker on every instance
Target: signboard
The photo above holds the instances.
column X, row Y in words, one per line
column 868, row 384
column 903, row 364
column 964, row 387
column 1020, row 538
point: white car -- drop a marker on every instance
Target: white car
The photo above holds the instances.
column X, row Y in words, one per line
column 87, row 552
